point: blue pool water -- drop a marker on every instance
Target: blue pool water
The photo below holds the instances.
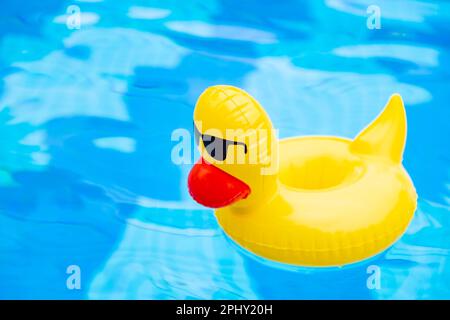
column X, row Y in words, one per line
column 86, row 177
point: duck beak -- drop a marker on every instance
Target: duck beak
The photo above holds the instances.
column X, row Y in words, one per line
column 214, row 188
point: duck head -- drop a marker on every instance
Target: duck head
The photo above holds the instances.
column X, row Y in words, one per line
column 238, row 148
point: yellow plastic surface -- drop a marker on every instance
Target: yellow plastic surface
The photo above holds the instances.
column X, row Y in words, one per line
column 315, row 200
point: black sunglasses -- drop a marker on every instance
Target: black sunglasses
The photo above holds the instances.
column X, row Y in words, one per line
column 216, row 147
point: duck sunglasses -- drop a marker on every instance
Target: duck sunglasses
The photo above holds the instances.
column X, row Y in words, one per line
column 216, row 147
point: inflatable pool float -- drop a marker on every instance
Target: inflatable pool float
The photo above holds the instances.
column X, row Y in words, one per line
column 307, row 201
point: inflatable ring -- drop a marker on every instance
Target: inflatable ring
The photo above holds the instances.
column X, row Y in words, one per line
column 307, row 201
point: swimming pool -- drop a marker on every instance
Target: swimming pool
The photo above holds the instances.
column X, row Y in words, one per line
column 91, row 92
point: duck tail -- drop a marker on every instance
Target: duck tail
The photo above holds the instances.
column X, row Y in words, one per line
column 386, row 135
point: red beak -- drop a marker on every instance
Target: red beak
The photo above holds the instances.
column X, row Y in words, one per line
column 215, row 188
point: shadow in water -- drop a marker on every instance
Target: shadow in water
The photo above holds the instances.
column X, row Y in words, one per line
column 272, row 280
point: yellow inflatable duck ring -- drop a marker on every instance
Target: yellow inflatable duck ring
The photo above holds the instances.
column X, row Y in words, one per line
column 307, row 201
